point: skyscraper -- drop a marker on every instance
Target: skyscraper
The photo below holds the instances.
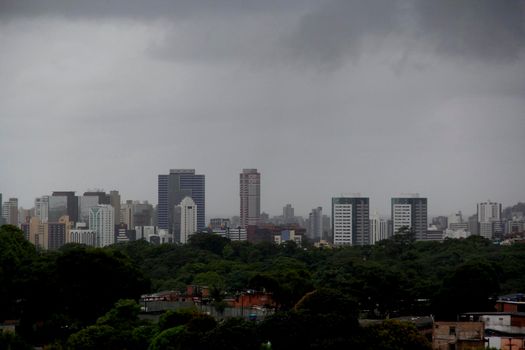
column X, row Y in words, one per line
column 288, row 214
column 42, row 208
column 250, row 193
column 10, row 212
column 351, row 220
column 172, row 189
column 378, row 228
column 1, row 211
column 189, row 212
column 102, row 221
column 315, row 224
column 489, row 214
column 410, row 211
column 71, row 206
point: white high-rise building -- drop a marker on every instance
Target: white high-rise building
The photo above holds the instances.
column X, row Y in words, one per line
column 188, row 218
column 42, row 208
column 250, row 193
column 410, row 211
column 378, row 228
column 488, row 213
column 351, row 220
column 102, row 221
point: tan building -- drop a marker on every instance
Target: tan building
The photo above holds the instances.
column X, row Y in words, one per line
column 458, row 336
column 38, row 233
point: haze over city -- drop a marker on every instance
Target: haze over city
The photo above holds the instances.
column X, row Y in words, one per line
column 323, row 98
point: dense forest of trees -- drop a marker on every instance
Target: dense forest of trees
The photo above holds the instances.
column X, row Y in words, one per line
column 85, row 298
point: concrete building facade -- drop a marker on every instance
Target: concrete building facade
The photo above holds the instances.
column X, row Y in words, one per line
column 250, row 197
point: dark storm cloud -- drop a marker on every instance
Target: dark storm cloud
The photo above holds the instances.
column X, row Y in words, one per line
column 474, row 29
column 136, row 9
column 327, row 33
column 339, row 28
column 486, row 30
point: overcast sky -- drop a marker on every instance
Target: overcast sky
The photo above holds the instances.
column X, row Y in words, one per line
column 323, row 97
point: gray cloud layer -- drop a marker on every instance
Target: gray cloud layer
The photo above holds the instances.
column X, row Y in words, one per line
column 378, row 97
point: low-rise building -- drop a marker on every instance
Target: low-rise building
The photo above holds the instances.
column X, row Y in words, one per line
column 458, row 336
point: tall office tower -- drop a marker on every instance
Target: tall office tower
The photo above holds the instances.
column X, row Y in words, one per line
column 85, row 203
column 142, row 213
column 327, row 228
column 189, row 212
column 410, row 211
column 378, row 228
column 24, row 215
column 250, row 193
column 473, row 225
column 102, row 221
column 58, row 233
column 42, row 208
column 103, row 197
column 114, row 201
column 351, row 220
column 126, row 214
column 488, row 213
column 10, row 212
column 172, row 189
column 288, row 214
column 56, row 206
column 315, row 224
column 1, row 211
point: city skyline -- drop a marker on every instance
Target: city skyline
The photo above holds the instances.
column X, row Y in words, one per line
column 325, row 98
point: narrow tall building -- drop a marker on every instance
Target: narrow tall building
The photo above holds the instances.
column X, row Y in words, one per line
column 351, row 220
column 250, row 193
column 42, row 208
column 378, row 228
column 102, row 221
column 10, row 212
column 189, row 212
column 172, row 189
column 288, row 214
column 315, row 224
column 410, row 211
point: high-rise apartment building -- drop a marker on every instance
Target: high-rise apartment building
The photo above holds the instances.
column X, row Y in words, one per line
column 114, row 201
column 410, row 211
column 1, row 211
column 250, row 193
column 189, row 212
column 102, row 221
column 172, row 189
column 351, row 220
column 42, row 208
column 58, row 233
column 489, row 217
column 10, row 212
column 378, row 228
column 315, row 224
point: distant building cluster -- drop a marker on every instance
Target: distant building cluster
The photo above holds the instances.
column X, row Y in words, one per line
column 98, row 219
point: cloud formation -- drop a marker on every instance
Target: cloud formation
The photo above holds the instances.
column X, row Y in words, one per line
column 330, row 97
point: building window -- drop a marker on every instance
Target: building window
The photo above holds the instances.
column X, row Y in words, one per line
column 452, row 331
